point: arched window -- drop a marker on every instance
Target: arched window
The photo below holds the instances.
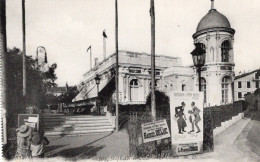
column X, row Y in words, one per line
column 204, row 88
column 225, row 48
column 156, row 83
column 134, row 90
column 225, row 87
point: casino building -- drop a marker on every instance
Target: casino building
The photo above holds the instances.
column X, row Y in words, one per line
column 215, row 34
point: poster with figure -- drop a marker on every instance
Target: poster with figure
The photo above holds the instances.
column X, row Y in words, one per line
column 186, row 110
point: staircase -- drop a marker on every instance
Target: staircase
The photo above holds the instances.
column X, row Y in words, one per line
column 61, row 125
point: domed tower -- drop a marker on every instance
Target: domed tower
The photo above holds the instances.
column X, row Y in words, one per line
column 217, row 37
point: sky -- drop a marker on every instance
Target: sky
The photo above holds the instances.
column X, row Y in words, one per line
column 67, row 28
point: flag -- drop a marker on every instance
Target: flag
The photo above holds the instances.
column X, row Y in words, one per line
column 88, row 48
column 104, row 34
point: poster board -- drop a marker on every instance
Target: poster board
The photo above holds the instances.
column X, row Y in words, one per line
column 4, row 130
column 186, row 122
column 31, row 120
column 154, row 131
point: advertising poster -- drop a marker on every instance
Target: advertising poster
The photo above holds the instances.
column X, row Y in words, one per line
column 153, row 131
column 186, row 122
column 31, row 120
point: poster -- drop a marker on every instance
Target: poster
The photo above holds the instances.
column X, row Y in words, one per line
column 31, row 120
column 153, row 131
column 186, row 110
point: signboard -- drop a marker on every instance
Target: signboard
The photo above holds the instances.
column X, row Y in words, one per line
column 186, row 122
column 31, row 120
column 153, row 131
column 4, row 131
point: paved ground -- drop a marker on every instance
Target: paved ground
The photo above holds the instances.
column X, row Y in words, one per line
column 224, row 148
column 248, row 142
column 95, row 146
column 240, row 142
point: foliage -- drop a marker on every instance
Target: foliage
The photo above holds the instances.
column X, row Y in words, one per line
column 69, row 95
column 250, row 100
column 162, row 103
column 257, row 92
column 37, row 82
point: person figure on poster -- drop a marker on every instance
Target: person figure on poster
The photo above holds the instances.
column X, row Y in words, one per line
column 196, row 112
column 191, row 120
column 179, row 114
column 23, row 142
column 37, row 145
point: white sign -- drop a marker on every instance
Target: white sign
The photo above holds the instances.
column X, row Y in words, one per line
column 33, row 119
column 186, row 122
column 153, row 131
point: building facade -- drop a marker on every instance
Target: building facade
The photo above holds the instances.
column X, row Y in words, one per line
column 134, row 78
column 246, row 83
column 215, row 34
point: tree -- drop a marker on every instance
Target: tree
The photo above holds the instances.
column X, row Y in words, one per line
column 69, row 95
column 162, row 102
column 36, row 85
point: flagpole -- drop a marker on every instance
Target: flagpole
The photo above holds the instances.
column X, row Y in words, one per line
column 153, row 104
column 116, row 39
column 24, row 52
column 104, row 46
column 90, row 58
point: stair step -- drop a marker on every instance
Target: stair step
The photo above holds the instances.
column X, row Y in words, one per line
column 72, row 119
column 78, row 116
column 79, row 125
column 75, row 122
column 52, row 133
column 54, row 129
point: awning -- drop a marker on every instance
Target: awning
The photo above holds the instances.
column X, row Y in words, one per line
column 84, row 93
column 91, row 91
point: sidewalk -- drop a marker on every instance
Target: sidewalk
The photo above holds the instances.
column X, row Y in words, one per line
column 224, row 149
column 248, row 141
column 95, row 146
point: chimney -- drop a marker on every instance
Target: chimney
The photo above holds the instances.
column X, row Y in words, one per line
column 96, row 61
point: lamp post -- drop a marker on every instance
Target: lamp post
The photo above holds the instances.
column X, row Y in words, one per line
column 40, row 49
column 198, row 56
column 97, row 79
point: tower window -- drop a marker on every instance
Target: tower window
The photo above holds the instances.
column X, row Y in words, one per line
column 257, row 84
column 225, row 48
column 225, row 88
column 204, row 88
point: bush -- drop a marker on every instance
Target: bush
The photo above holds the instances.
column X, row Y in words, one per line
column 162, row 104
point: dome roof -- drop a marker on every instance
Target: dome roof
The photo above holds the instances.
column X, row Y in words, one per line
column 213, row 19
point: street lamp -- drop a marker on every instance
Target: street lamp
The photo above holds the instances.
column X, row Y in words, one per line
column 198, row 56
column 41, row 49
column 97, row 79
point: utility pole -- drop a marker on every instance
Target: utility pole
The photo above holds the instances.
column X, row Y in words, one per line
column 3, row 52
column 153, row 104
column 117, row 67
column 24, row 52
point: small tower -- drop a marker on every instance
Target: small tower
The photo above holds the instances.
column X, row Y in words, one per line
column 217, row 37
